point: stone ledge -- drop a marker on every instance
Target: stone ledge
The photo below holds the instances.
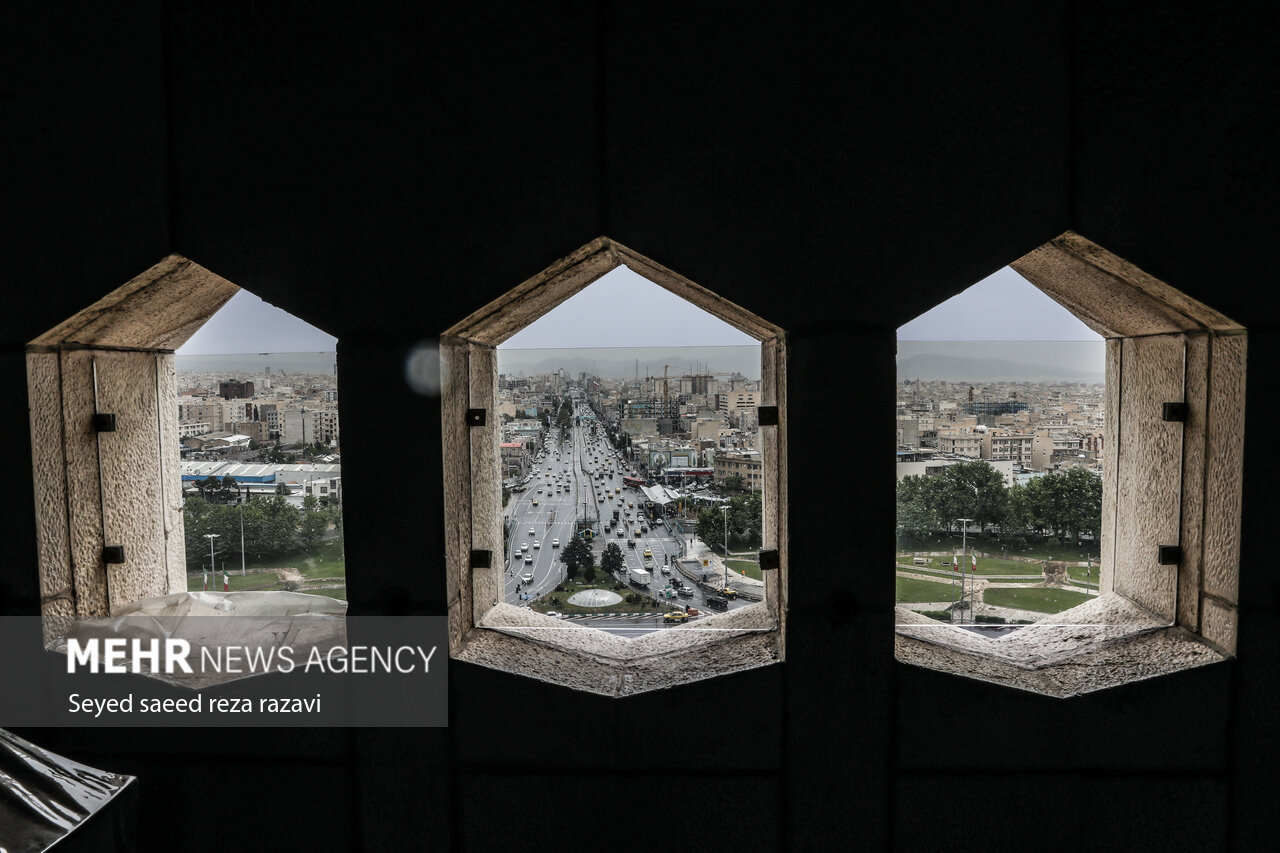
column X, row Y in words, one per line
column 1103, row 643
column 525, row 643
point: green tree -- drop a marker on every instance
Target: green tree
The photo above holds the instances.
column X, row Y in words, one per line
column 611, row 560
column 710, row 527
column 312, row 524
column 746, row 519
column 230, row 488
column 279, row 527
column 575, row 554
column 920, row 502
column 975, row 490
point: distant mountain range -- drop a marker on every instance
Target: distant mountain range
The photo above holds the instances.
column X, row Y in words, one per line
column 946, row 368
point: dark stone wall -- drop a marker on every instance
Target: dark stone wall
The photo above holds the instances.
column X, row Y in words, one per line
column 381, row 170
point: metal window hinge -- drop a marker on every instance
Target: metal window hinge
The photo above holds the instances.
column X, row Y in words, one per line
column 767, row 415
column 1175, row 412
column 481, row 559
column 475, row 417
column 104, row 422
column 1169, row 555
column 113, row 554
column 768, row 560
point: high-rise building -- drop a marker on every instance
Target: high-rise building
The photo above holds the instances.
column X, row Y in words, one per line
column 235, row 388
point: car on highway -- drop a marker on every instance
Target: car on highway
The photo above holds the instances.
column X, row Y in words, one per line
column 528, row 558
column 527, row 578
column 631, row 543
column 555, row 543
column 553, row 614
column 715, row 602
column 684, row 592
column 619, row 531
column 537, row 544
column 729, row 592
column 531, row 531
column 524, row 546
column 675, row 616
column 535, row 501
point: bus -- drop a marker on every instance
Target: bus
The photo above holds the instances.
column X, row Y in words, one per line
column 633, row 482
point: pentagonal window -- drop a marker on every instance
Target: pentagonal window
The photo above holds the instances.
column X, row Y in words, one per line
column 591, row 481
column 1109, row 552
column 150, row 462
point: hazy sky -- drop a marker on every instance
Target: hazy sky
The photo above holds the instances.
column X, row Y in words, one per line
column 625, row 309
column 1004, row 306
column 247, row 324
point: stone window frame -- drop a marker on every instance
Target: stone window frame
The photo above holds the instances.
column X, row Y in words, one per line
column 1164, row 483
column 485, row 630
column 114, row 357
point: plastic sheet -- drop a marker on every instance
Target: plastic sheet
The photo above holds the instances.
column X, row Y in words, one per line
column 224, row 619
column 45, row 797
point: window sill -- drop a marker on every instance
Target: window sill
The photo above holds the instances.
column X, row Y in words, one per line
column 1102, row 643
column 513, row 639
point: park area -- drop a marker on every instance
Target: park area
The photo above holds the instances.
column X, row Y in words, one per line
column 558, row 599
column 322, row 571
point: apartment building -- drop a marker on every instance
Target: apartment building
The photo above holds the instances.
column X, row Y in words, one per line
column 961, row 442
column 730, row 402
column 1013, row 446
column 1054, row 443
column 744, row 463
column 256, row 430
column 210, row 413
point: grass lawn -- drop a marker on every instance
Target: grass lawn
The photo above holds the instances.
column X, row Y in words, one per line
column 326, row 563
column 912, row 591
column 1039, row 600
column 1080, row 573
column 1067, row 552
column 327, row 559
column 746, row 567
column 986, row 565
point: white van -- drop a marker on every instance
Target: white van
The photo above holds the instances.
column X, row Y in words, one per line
column 919, row 561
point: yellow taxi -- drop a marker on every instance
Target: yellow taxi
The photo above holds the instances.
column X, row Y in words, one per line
column 675, row 616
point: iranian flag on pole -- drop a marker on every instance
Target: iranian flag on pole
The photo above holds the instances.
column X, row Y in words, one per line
column 955, row 563
column 975, row 563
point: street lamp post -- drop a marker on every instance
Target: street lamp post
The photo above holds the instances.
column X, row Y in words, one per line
column 964, row 531
column 725, row 510
column 211, row 537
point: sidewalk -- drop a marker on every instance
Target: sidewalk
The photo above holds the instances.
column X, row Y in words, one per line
column 716, row 569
